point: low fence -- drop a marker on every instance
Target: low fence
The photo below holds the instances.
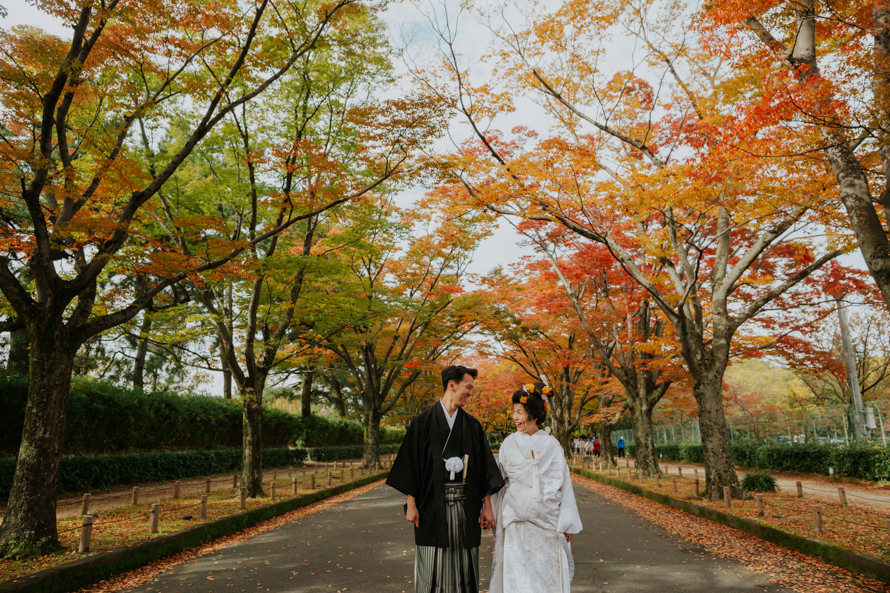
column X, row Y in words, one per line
column 289, row 483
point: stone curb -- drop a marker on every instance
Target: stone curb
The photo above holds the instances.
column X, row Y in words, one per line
column 863, row 564
column 91, row 569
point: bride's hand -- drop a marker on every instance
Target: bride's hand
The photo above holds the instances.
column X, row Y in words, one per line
column 568, row 536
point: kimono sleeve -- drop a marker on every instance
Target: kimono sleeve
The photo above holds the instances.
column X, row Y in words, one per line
column 569, row 520
column 404, row 474
column 494, row 481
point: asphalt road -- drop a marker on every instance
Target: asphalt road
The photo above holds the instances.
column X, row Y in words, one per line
column 365, row 545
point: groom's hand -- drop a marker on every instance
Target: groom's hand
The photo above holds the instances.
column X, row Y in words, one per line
column 486, row 518
column 411, row 512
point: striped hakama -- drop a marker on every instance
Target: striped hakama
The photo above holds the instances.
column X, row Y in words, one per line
column 454, row 569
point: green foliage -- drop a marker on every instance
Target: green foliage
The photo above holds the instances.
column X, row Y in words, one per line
column 759, row 482
column 318, row 431
column 340, row 453
column 102, row 418
column 81, row 473
column 864, row 462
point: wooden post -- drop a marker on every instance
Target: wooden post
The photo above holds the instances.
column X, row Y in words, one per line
column 330, row 478
column 243, row 498
column 313, row 481
column 842, row 495
column 294, row 484
column 674, row 484
column 272, row 491
column 351, row 472
column 799, row 490
column 759, row 498
column 86, row 531
column 695, row 472
column 817, row 518
column 727, row 497
column 153, row 522
column 274, row 474
column 657, row 481
column 234, row 480
column 831, row 474
column 203, row 506
column 85, row 505
column 342, row 475
column 697, row 492
column 176, row 489
column 135, row 499
column 207, row 487
column 680, row 471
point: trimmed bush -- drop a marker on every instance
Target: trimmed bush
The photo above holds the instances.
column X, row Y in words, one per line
column 102, row 419
column 81, row 473
column 340, row 453
column 864, row 462
column 759, row 482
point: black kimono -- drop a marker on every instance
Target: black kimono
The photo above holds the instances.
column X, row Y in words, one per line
column 419, row 471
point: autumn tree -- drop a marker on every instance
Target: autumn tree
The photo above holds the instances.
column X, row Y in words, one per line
column 397, row 305
column 651, row 163
column 77, row 190
column 531, row 323
column 822, row 70
column 312, row 145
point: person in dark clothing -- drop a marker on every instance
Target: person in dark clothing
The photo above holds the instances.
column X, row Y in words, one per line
column 445, row 468
column 620, row 447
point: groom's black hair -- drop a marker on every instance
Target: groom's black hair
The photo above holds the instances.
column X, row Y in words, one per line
column 456, row 373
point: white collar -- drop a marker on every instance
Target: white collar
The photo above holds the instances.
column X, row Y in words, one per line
column 449, row 417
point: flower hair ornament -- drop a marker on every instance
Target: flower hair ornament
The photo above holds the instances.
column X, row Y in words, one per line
column 546, row 392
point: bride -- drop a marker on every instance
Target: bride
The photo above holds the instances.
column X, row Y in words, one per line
column 536, row 514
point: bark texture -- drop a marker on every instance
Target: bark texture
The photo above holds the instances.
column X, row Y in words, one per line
column 29, row 523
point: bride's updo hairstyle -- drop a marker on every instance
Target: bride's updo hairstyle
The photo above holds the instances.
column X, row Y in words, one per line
column 532, row 397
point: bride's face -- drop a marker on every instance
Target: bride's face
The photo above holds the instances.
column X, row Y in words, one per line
column 522, row 420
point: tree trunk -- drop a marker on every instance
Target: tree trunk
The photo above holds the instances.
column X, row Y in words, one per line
column 338, row 399
column 641, row 417
column 605, row 436
column 227, row 372
column 227, row 383
column 372, row 440
column 306, row 395
column 141, row 352
column 29, row 524
column 719, row 467
column 19, row 345
column 252, row 444
column 559, row 421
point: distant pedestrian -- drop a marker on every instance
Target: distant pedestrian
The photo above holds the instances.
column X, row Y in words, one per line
column 596, row 447
column 620, row 447
column 588, row 447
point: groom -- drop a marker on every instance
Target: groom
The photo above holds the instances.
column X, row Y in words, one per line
column 447, row 471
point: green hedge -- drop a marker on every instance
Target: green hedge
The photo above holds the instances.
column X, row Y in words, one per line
column 81, row 473
column 351, row 452
column 855, row 461
column 103, row 418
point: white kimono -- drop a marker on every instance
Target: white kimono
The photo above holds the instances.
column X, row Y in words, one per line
column 533, row 511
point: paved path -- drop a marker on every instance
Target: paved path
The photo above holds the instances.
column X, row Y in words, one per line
column 364, row 545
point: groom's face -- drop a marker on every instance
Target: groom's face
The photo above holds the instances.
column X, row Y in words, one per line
column 463, row 389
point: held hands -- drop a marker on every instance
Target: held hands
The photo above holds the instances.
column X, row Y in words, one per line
column 486, row 518
column 568, row 536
